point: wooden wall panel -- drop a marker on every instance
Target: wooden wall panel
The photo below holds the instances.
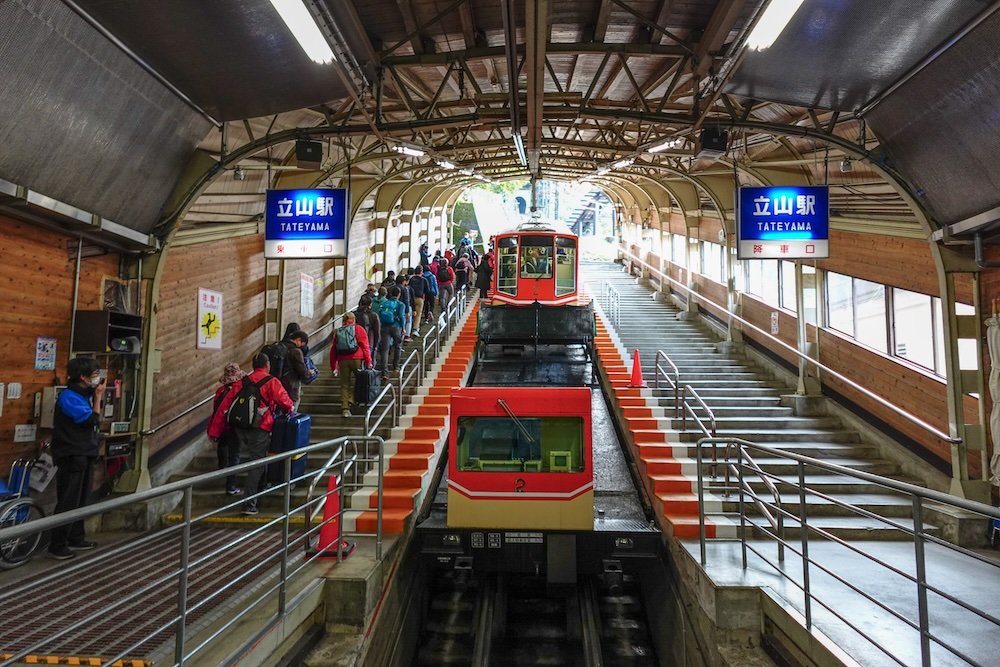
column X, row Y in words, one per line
column 236, row 268
column 36, row 290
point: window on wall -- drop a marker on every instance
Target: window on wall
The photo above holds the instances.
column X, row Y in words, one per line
column 869, row 312
column 912, row 317
column 678, row 249
column 762, row 279
column 787, row 279
column 711, row 261
column 869, row 315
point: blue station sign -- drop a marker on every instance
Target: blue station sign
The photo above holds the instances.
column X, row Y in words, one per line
column 305, row 223
column 783, row 222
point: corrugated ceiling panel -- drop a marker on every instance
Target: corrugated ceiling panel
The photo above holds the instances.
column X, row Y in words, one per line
column 81, row 122
column 839, row 54
column 940, row 128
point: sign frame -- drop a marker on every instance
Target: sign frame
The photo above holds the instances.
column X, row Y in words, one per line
column 799, row 230
column 311, row 223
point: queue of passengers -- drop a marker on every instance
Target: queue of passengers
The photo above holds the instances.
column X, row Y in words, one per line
column 387, row 316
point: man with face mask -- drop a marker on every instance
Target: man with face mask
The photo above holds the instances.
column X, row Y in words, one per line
column 74, row 450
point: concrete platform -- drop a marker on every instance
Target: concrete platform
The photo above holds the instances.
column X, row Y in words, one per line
column 965, row 578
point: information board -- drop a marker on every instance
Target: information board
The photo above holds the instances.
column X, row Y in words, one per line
column 306, row 223
column 783, row 222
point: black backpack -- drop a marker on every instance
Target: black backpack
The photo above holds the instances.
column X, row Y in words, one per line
column 244, row 411
column 277, row 354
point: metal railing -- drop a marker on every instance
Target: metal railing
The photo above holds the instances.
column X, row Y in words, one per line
column 674, row 383
column 709, row 431
column 261, row 581
column 691, row 294
column 915, row 530
column 611, row 300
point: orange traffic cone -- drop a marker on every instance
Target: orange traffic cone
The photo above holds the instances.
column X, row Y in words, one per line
column 636, row 380
column 329, row 534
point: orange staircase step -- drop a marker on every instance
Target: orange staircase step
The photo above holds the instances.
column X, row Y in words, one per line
column 679, row 504
column 415, row 446
column 648, row 435
column 662, row 466
column 686, row 527
column 672, row 484
column 396, row 478
column 409, row 461
column 422, row 433
column 429, row 420
column 393, row 521
column 394, row 498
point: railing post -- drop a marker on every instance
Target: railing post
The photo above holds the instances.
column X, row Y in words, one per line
column 701, row 506
column 378, row 526
column 743, row 513
column 804, row 536
column 182, row 581
column 918, row 548
column 285, row 526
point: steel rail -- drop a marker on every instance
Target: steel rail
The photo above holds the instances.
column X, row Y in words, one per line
column 910, row 417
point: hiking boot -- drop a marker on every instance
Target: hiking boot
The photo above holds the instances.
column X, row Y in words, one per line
column 250, row 510
column 234, row 491
column 82, row 546
column 61, row 554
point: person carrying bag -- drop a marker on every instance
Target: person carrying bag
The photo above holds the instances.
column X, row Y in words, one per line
column 349, row 351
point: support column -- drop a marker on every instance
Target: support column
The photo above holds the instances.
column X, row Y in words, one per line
column 955, row 327
column 807, row 383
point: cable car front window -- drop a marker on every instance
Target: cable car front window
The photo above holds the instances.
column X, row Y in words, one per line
column 536, row 256
column 529, row 444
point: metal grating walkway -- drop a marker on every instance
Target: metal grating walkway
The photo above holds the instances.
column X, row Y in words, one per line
column 49, row 602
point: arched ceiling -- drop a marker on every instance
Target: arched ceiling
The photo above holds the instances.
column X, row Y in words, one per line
column 582, row 84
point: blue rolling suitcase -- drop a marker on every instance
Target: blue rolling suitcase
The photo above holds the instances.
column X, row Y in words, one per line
column 289, row 432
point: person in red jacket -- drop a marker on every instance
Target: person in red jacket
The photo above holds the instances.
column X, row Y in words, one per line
column 226, row 444
column 253, row 441
column 347, row 362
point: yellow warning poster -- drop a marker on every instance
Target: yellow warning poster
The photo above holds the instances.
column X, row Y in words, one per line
column 209, row 319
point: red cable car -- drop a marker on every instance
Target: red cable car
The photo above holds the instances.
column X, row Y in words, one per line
column 520, row 458
column 534, row 293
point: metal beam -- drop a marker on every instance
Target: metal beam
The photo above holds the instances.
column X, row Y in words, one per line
column 557, row 48
column 601, row 22
column 726, row 13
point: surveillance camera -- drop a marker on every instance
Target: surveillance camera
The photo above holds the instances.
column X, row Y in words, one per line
column 846, row 165
column 239, row 174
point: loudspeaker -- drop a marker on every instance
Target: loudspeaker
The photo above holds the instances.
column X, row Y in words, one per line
column 712, row 143
column 308, row 154
column 128, row 345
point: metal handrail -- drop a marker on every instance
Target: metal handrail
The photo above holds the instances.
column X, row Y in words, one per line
column 675, row 383
column 404, row 377
column 390, row 408
column 910, row 417
column 284, row 554
column 208, row 399
column 918, row 497
column 612, row 300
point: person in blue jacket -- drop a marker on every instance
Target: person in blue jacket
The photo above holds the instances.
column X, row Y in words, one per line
column 74, row 450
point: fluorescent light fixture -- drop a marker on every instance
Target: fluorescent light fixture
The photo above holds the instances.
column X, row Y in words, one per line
column 603, row 170
column 665, row 145
column 304, row 28
column 519, row 148
column 408, row 150
column 771, row 23
column 444, row 164
column 621, row 164
column 465, row 172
